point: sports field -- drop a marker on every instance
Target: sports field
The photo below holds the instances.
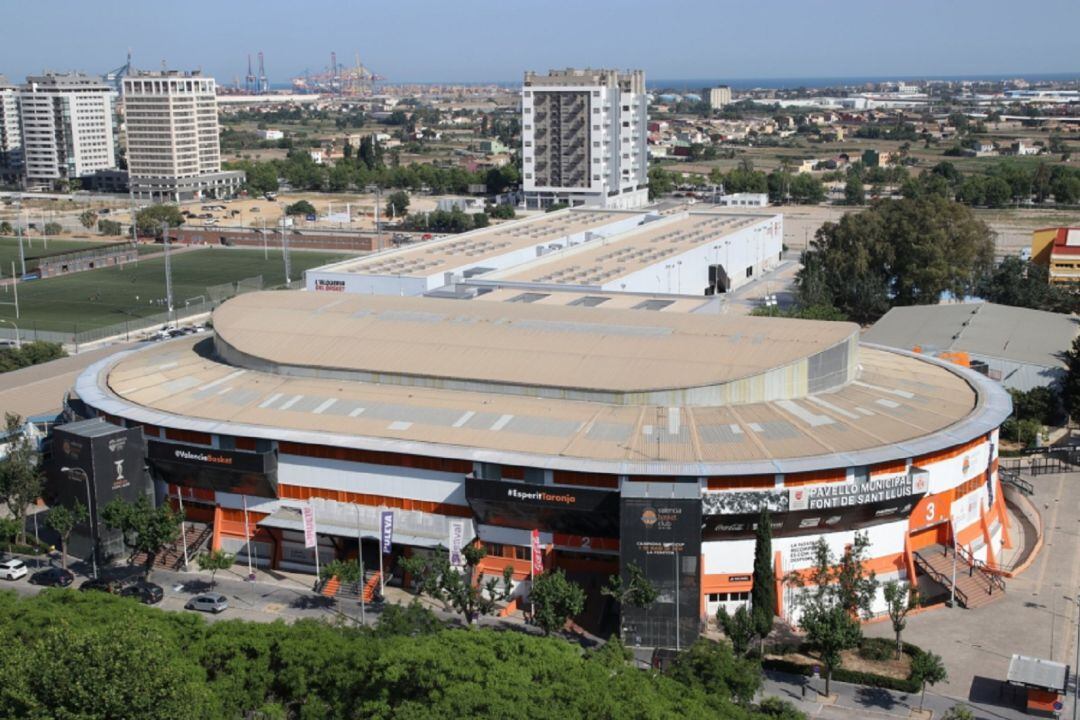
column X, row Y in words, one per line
column 108, row 296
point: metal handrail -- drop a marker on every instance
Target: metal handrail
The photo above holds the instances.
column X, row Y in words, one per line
column 988, row 573
column 1013, row 478
column 940, row 578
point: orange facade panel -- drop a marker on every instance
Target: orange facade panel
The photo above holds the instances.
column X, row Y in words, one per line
column 300, row 492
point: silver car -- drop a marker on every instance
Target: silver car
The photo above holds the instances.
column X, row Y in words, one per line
column 208, row 602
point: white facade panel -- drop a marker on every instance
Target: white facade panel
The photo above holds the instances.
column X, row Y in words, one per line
column 398, row 482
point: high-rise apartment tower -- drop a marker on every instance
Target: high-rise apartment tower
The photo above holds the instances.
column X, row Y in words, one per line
column 583, row 138
column 173, row 144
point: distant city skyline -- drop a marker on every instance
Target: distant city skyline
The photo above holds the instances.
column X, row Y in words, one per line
column 471, row 42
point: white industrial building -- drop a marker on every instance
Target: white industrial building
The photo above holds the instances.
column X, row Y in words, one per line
column 67, row 127
column 173, row 144
column 744, row 200
column 686, row 253
column 10, row 130
column 583, row 138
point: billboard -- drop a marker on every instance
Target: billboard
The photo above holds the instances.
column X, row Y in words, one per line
column 660, row 532
column 568, row 510
column 95, row 462
column 244, row 473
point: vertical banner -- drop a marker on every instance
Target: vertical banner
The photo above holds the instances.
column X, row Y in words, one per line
column 309, row 526
column 537, row 554
column 387, row 531
column 457, row 538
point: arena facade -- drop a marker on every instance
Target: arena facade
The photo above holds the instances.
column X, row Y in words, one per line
column 623, row 436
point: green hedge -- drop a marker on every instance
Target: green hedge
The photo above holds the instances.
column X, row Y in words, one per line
column 852, row 676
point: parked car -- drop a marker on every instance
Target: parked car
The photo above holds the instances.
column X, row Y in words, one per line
column 145, row 592
column 53, row 577
column 208, row 602
column 13, row 569
column 101, row 585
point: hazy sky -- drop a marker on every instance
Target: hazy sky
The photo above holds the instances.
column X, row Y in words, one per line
column 472, row 41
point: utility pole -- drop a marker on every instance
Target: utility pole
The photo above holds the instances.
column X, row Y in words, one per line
column 1076, row 685
column 168, row 272
column 285, row 254
column 678, row 640
column 134, row 230
column 15, row 288
column 22, row 253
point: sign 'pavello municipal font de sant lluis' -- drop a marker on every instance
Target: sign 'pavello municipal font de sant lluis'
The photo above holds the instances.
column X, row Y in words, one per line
column 860, row 491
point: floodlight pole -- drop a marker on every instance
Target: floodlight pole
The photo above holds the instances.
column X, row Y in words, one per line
column 1076, row 684
column 168, row 272
column 15, row 288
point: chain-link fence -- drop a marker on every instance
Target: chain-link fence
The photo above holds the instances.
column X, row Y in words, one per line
column 137, row 326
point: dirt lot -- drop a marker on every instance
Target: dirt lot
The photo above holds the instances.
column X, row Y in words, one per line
column 850, row 660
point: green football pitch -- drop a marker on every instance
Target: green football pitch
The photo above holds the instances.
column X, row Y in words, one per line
column 113, row 295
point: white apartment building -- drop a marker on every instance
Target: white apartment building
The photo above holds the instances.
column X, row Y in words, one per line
column 10, row 131
column 719, row 97
column 173, row 144
column 583, row 138
column 67, row 127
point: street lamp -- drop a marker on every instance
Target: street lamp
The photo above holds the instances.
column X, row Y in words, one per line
column 90, row 508
column 18, row 342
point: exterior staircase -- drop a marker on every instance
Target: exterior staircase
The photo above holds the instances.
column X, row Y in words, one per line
column 171, row 556
column 976, row 585
column 334, row 588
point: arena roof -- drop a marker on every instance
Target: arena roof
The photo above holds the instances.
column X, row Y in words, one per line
column 514, row 343
column 450, row 252
column 899, row 405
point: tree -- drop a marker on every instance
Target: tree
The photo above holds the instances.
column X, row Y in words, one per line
column 854, row 194
column 712, row 667
column 958, row 712
column 109, row 227
column 20, row 474
column 407, row 621
column 927, row 668
column 555, row 600
column 9, row 529
column 897, row 252
column 1022, row 283
column 480, row 220
column 53, row 228
column 397, row 204
column 455, row 587
column 502, row 211
column 996, row 192
column 739, row 627
column 5, row 228
column 145, row 528
column 638, row 591
column 833, row 595
column 150, row 219
column 348, row 572
column 763, row 592
column 900, row 598
column 215, row 560
column 63, row 520
column 300, row 207
column 88, row 219
column 1070, row 387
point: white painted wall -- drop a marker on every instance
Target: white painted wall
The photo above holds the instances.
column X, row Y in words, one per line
column 757, row 246
column 398, row 482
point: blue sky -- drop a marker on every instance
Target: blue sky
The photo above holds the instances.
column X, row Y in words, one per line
column 472, row 41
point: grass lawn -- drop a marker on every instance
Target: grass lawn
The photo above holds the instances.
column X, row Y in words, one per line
column 108, row 296
column 9, row 249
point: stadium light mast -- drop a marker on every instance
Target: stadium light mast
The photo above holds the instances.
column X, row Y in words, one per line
column 285, row 253
column 168, row 271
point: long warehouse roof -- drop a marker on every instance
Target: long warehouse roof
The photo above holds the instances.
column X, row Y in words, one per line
column 626, row 253
column 454, row 251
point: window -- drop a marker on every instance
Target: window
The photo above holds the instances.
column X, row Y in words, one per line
column 590, row 301
column 653, row 304
column 596, row 143
column 626, row 108
column 626, row 124
column 749, row 271
column 596, row 111
column 528, row 297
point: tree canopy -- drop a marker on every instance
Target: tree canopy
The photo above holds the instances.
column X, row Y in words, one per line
column 94, row 656
column 897, row 252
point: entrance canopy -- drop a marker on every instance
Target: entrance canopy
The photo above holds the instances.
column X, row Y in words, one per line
column 411, row 527
column 1038, row 673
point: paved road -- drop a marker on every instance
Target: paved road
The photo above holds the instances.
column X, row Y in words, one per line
column 1035, row 617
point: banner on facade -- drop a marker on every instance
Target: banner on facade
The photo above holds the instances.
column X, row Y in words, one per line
column 537, row 554
column 457, row 541
column 387, row 526
column 309, row 526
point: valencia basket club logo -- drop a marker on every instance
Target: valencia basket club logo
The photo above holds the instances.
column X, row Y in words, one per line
column 967, row 464
column 648, row 517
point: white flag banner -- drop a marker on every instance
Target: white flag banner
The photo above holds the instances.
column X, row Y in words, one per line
column 309, row 526
column 457, row 541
